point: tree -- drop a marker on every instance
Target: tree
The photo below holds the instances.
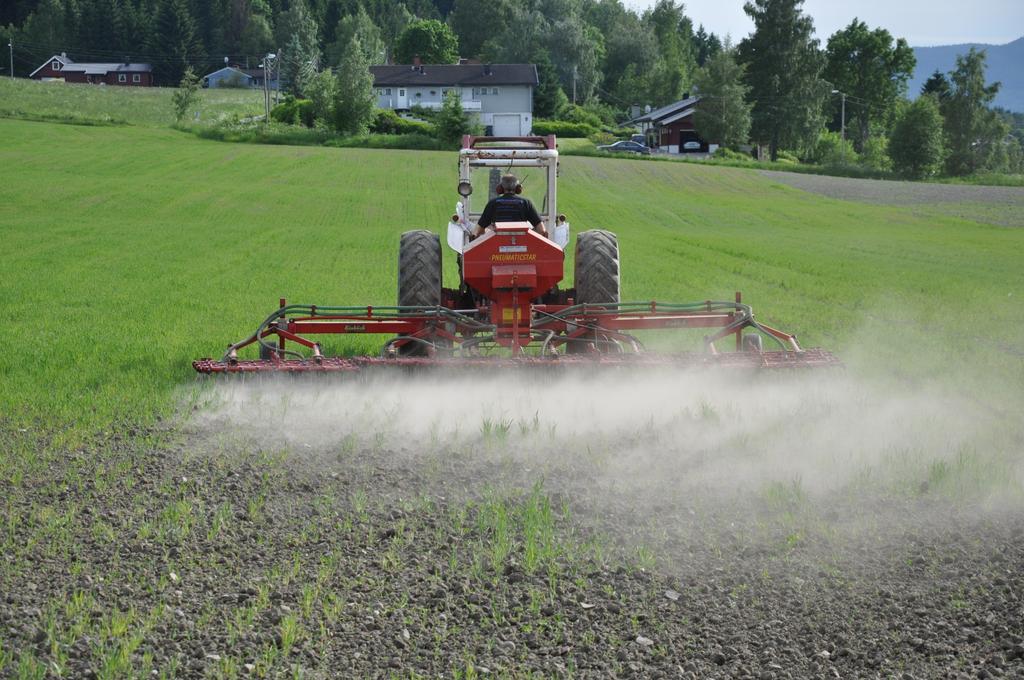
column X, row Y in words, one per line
column 297, row 31
column 475, row 20
column 525, row 36
column 392, row 17
column 783, row 65
column 452, row 122
column 106, row 24
column 1014, row 156
column 358, row 26
column 974, row 131
column 297, row 21
column 354, row 100
column 322, row 90
column 187, row 94
column 723, row 115
column 872, row 69
column 631, row 53
column 213, row 19
column 576, row 50
column 176, row 41
column 916, row 142
column 256, row 37
column 47, row 29
column 429, row 39
column 705, row 45
column 548, row 98
column 677, row 62
column 937, row 85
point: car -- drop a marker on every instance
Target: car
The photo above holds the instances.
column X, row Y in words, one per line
column 625, row 146
column 691, row 146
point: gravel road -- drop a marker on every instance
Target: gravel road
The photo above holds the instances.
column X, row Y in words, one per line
column 994, row 205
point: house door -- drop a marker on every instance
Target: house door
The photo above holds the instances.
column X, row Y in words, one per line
column 506, row 125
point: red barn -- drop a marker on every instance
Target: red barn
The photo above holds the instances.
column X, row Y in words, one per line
column 60, row 67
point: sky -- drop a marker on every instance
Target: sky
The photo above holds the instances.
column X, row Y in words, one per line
column 921, row 22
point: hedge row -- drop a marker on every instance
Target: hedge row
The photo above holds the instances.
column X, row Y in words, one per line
column 387, row 122
column 562, row 128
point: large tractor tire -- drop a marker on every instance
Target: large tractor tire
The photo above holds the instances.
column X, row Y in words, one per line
column 419, row 277
column 597, row 267
column 597, row 280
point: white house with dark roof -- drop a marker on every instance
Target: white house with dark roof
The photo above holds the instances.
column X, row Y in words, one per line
column 499, row 95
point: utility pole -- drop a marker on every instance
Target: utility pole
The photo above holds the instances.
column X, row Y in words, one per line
column 266, row 94
column 277, row 81
column 574, row 83
column 842, row 126
column 10, row 49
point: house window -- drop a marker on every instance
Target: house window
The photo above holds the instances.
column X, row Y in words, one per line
column 55, row 65
column 379, row 91
column 494, row 90
column 401, row 93
column 388, row 91
column 136, row 78
column 433, row 92
column 122, row 78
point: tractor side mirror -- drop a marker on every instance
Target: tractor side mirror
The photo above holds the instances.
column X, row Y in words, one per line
column 465, row 189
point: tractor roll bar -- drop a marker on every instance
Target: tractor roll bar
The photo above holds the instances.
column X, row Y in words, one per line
column 474, row 142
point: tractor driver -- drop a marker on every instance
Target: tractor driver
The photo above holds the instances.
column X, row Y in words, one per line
column 509, row 206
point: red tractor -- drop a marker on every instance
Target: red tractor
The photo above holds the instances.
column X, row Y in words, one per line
column 508, row 308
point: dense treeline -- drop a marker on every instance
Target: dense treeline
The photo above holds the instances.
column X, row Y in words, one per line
column 841, row 102
column 598, row 47
column 602, row 48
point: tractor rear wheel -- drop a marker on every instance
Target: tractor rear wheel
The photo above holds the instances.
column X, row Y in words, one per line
column 419, row 277
column 597, row 267
column 596, row 277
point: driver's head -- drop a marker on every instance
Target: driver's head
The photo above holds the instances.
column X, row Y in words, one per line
column 508, row 184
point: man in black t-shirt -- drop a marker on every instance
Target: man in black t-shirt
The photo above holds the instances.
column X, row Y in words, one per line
column 508, row 206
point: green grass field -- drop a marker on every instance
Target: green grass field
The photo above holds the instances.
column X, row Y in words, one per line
column 144, row 106
column 131, row 251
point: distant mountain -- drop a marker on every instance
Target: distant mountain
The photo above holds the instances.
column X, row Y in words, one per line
column 1005, row 64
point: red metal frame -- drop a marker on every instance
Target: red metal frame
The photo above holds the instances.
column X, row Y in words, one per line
column 811, row 358
column 572, row 323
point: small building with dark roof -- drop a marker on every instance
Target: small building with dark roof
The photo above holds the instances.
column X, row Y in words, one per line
column 236, row 76
column 499, row 95
column 229, row 76
column 61, row 67
column 670, row 129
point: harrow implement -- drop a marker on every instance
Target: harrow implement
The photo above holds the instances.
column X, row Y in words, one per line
column 559, row 336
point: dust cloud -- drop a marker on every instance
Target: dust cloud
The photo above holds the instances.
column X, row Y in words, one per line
column 695, row 435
